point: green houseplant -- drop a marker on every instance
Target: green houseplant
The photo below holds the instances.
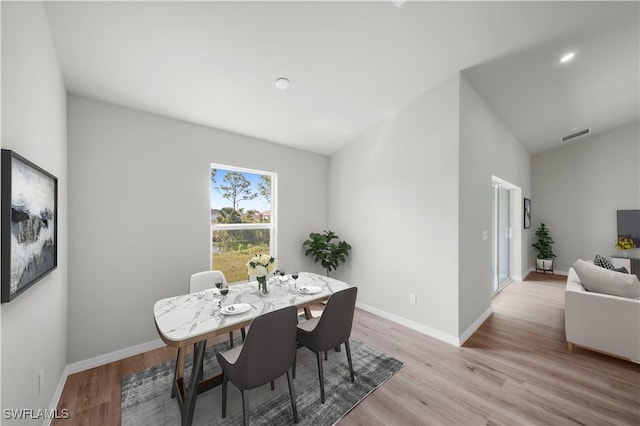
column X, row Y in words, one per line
column 324, row 250
column 544, row 249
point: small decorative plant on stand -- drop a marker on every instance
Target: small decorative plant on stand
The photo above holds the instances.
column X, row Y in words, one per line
column 544, row 250
column 625, row 244
column 260, row 266
column 325, row 250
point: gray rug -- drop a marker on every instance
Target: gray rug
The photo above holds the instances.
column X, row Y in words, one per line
column 146, row 394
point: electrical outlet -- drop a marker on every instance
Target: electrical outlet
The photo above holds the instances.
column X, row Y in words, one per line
column 40, row 381
column 412, row 299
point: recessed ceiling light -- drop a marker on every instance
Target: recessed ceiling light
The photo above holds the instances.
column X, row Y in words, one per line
column 282, row 83
column 567, row 57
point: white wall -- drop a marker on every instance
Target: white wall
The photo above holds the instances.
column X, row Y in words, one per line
column 487, row 147
column 578, row 187
column 139, row 205
column 34, row 325
column 413, row 197
column 394, row 198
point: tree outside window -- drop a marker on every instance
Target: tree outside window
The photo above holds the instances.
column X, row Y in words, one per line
column 241, row 218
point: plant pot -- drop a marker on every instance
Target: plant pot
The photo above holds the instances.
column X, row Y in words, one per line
column 544, row 265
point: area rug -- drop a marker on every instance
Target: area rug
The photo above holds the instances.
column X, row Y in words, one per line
column 146, row 394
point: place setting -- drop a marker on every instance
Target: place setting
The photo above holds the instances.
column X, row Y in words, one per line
column 310, row 289
column 236, row 309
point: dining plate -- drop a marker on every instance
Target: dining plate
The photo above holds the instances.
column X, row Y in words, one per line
column 238, row 308
column 309, row 289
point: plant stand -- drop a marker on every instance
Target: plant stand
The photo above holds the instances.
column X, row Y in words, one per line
column 544, row 266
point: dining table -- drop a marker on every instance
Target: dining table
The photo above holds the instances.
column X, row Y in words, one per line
column 192, row 319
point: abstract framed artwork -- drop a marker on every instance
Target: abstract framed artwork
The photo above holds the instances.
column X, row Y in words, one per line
column 29, row 224
column 527, row 213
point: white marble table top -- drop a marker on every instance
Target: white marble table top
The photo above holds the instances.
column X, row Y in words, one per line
column 180, row 319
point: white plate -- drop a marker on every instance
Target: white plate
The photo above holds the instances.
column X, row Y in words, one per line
column 238, row 308
column 309, row 289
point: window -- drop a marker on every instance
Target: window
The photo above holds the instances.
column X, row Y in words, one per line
column 242, row 218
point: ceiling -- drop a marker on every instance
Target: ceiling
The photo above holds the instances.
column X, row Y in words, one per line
column 352, row 64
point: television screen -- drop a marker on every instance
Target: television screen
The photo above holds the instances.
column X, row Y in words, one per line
column 629, row 225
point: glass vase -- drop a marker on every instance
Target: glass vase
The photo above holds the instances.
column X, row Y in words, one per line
column 262, row 284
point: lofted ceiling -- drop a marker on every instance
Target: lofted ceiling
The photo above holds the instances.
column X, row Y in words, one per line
column 352, row 64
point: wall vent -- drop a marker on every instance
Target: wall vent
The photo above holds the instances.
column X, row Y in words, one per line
column 575, row 135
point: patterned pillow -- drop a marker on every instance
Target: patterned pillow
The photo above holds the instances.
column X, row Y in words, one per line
column 602, row 262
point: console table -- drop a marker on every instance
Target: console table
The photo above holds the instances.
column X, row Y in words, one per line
column 631, row 263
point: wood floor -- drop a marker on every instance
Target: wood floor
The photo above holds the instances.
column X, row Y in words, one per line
column 515, row 370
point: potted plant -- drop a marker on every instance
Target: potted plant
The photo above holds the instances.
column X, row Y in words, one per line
column 544, row 249
column 325, row 250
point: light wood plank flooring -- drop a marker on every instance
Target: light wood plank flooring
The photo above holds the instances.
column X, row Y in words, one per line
column 515, row 370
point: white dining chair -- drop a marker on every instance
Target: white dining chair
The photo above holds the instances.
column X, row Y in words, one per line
column 204, row 280
column 201, row 281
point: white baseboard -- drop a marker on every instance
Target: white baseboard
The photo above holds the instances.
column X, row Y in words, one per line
column 476, row 325
column 114, row 356
column 432, row 332
column 57, row 394
column 97, row 361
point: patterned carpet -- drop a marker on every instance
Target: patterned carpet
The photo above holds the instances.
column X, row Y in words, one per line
column 146, row 394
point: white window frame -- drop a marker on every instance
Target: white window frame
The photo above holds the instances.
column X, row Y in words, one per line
column 272, row 226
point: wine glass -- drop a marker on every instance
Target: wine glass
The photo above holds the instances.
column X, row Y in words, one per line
column 282, row 274
column 219, row 285
column 295, row 277
column 224, row 292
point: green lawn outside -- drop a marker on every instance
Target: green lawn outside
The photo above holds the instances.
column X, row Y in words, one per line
column 234, row 263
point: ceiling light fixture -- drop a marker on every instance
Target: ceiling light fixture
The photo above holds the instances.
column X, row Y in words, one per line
column 282, row 83
column 567, row 57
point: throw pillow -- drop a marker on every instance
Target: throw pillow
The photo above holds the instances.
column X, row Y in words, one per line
column 601, row 280
column 603, row 262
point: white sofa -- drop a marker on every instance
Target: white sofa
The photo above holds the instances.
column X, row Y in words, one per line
column 601, row 322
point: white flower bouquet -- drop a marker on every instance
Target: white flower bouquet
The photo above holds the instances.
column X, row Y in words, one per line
column 260, row 265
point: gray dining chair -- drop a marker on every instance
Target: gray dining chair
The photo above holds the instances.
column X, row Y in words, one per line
column 330, row 330
column 267, row 353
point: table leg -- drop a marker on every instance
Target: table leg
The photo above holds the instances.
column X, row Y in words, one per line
column 192, row 391
column 182, row 352
column 307, row 313
column 179, row 370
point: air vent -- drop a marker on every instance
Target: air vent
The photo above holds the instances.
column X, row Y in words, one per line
column 575, row 135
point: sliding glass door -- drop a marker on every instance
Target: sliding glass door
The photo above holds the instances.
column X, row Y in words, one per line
column 501, row 237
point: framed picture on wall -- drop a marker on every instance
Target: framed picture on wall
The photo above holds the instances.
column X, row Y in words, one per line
column 527, row 213
column 29, row 224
